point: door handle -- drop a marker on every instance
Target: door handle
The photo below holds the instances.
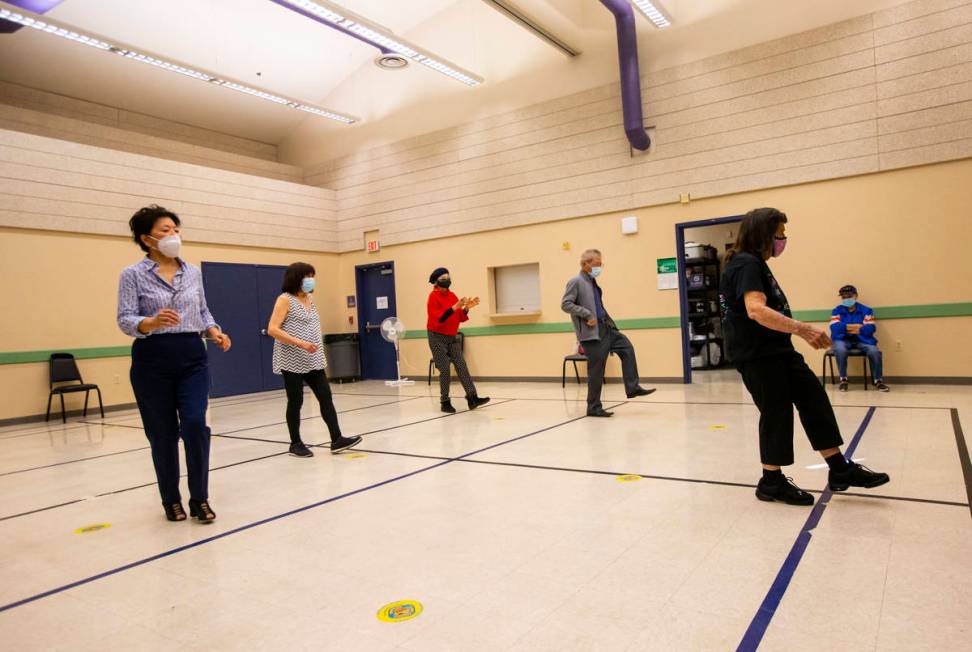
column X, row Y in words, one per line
column 371, row 327
column 263, row 331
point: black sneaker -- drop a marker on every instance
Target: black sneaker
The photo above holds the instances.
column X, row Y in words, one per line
column 300, row 450
column 343, row 444
column 474, row 401
column 857, row 475
column 784, row 491
column 447, row 407
column 641, row 391
column 843, row 385
column 881, row 387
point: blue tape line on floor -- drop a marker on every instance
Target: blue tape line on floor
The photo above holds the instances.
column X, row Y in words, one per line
column 757, row 628
column 270, row 519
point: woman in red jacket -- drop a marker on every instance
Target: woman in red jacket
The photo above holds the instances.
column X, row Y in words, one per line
column 446, row 311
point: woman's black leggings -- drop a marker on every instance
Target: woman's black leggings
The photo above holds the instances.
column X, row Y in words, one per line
column 317, row 381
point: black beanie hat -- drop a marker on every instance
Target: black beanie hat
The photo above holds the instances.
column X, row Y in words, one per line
column 439, row 271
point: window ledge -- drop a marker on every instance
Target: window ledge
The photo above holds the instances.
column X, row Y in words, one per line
column 507, row 315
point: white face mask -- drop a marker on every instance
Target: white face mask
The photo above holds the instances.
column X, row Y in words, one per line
column 169, row 245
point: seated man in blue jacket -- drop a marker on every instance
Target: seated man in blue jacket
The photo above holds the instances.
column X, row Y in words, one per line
column 852, row 329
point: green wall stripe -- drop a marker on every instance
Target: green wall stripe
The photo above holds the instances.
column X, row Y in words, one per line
column 812, row 315
column 23, row 357
column 898, row 312
column 541, row 328
column 819, row 315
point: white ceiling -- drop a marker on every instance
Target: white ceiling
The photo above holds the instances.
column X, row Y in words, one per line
column 305, row 60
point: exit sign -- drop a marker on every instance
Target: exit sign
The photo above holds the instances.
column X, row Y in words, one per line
column 372, row 246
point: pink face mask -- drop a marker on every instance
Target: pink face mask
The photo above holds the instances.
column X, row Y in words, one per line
column 779, row 244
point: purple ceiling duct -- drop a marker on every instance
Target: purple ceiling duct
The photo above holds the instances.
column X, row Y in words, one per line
column 634, row 124
column 37, row 6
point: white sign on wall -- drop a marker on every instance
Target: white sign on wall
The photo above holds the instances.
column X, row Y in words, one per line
column 382, row 303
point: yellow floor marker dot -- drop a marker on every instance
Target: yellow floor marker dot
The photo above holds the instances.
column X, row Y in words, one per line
column 628, row 478
column 400, row 611
column 717, row 427
column 355, row 456
column 92, row 528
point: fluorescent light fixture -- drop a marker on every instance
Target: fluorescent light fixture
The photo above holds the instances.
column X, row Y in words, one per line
column 652, row 13
column 515, row 14
column 49, row 28
column 383, row 39
column 28, row 19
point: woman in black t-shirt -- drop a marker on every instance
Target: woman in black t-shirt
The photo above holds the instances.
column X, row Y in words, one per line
column 758, row 329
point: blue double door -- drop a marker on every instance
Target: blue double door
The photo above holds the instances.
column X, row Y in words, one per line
column 241, row 298
column 375, row 285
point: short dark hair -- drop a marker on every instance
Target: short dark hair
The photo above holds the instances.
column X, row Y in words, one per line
column 757, row 231
column 144, row 219
column 294, row 277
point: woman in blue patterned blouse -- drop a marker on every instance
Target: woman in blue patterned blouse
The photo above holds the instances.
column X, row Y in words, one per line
column 161, row 303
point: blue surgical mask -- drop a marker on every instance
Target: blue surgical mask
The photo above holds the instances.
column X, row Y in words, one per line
column 849, row 303
column 308, row 284
column 595, row 272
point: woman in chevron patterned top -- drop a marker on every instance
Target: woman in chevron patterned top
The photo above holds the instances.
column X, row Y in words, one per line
column 298, row 354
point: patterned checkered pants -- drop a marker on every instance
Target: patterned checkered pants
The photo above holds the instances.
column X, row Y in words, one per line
column 445, row 350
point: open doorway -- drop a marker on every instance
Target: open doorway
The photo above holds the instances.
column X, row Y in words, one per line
column 701, row 247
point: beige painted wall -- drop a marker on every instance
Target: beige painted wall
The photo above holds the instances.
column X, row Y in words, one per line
column 880, row 92
column 865, row 230
column 59, row 291
column 48, row 114
column 47, row 183
column 901, row 236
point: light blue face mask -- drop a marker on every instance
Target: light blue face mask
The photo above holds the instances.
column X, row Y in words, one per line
column 595, row 272
column 849, row 303
column 308, row 285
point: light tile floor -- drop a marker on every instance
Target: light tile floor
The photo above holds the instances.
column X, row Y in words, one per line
column 508, row 524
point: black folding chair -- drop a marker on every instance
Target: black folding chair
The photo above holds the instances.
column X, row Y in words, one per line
column 829, row 358
column 63, row 369
column 575, row 358
column 462, row 348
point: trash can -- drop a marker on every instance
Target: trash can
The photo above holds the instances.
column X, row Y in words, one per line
column 343, row 358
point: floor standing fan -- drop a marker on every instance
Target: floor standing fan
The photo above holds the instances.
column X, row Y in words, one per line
column 393, row 330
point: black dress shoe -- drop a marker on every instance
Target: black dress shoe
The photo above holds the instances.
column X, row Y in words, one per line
column 857, row 475
column 174, row 512
column 447, row 407
column 200, row 510
column 784, row 491
column 641, row 391
column 474, row 401
column 600, row 413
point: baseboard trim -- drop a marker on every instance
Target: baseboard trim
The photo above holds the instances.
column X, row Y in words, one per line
column 570, row 379
column 913, row 380
column 665, row 380
column 56, row 415
column 929, row 380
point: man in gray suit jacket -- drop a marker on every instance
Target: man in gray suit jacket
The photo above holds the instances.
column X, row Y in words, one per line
column 598, row 334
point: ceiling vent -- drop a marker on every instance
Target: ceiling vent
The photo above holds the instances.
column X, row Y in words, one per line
column 391, row 62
